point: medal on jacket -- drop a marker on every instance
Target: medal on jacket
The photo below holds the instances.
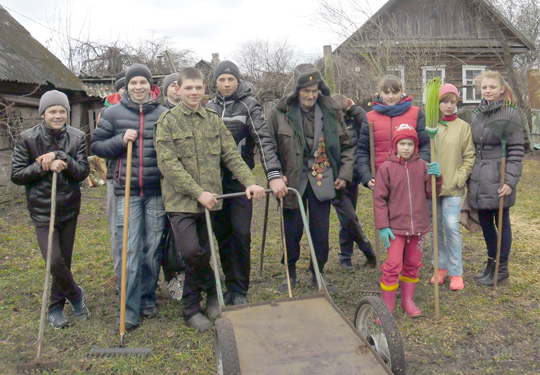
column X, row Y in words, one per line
column 321, row 161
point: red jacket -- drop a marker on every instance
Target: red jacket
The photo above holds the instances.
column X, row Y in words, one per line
column 402, row 190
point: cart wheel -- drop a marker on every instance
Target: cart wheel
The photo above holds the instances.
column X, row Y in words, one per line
column 384, row 338
column 225, row 347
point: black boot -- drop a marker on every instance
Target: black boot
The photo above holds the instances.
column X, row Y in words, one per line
column 371, row 260
column 489, row 267
column 490, row 278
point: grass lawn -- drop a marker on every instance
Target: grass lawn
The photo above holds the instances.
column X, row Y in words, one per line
column 476, row 334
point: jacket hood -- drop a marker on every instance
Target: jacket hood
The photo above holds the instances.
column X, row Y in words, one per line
column 112, row 99
column 244, row 90
column 147, row 106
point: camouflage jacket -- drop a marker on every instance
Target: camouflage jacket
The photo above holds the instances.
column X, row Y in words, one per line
column 190, row 147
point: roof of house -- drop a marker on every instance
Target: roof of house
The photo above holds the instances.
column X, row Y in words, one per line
column 511, row 30
column 23, row 59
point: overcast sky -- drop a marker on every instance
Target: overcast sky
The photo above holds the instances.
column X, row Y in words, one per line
column 204, row 26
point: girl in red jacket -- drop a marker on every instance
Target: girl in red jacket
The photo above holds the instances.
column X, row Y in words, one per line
column 391, row 109
column 402, row 215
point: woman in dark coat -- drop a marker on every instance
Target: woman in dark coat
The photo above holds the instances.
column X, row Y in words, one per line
column 484, row 184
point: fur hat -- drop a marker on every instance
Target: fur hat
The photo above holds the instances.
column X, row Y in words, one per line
column 120, row 80
column 305, row 75
column 51, row 98
column 448, row 88
column 226, row 67
column 138, row 70
column 168, row 80
column 405, row 131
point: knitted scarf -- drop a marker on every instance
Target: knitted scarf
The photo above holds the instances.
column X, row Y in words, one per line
column 393, row 110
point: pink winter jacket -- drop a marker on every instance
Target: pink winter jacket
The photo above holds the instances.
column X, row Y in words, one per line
column 402, row 190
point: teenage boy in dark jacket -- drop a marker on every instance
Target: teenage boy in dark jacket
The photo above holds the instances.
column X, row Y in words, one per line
column 47, row 148
column 172, row 99
column 133, row 120
column 244, row 118
column 345, row 202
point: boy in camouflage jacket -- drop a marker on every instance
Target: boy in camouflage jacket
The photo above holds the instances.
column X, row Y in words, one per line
column 191, row 145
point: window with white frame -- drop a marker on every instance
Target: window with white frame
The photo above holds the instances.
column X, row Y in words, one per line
column 398, row 71
column 429, row 72
column 470, row 93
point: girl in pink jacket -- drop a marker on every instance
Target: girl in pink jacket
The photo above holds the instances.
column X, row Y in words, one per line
column 400, row 205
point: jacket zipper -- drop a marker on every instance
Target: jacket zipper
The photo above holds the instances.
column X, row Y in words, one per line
column 141, row 136
column 410, row 198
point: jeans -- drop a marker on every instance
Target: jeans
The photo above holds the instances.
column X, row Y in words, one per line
column 112, row 209
column 232, row 225
column 146, row 223
column 350, row 231
column 489, row 221
column 319, row 224
column 191, row 239
column 448, row 235
column 63, row 284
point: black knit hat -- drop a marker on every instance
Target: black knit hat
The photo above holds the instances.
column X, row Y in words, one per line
column 168, row 80
column 51, row 98
column 226, row 67
column 305, row 75
column 138, row 70
column 120, row 80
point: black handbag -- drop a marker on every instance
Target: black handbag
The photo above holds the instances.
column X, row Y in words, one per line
column 171, row 256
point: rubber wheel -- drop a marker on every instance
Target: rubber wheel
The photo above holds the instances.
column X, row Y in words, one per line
column 385, row 337
column 227, row 360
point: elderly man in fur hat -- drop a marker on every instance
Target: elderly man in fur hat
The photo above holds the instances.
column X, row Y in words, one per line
column 316, row 155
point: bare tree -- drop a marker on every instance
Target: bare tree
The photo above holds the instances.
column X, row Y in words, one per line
column 268, row 64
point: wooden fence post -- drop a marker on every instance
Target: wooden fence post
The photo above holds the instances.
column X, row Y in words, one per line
column 329, row 68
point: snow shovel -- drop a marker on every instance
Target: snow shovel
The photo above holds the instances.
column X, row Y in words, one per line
column 38, row 365
column 122, row 350
column 432, row 126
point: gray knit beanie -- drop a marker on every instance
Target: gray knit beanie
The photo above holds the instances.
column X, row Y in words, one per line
column 138, row 70
column 51, row 98
column 168, row 80
column 226, row 67
column 120, row 80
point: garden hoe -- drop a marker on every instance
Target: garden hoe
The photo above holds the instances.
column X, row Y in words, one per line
column 38, row 366
column 432, row 126
column 122, row 350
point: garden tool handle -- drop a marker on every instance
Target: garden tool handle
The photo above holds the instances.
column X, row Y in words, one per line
column 434, row 225
column 499, row 231
column 47, row 268
column 373, row 172
column 127, row 193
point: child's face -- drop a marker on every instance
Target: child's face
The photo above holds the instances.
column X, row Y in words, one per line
column 390, row 97
column 405, row 148
column 55, row 116
column 448, row 106
column 139, row 88
column 191, row 92
column 491, row 89
column 172, row 96
column 227, row 84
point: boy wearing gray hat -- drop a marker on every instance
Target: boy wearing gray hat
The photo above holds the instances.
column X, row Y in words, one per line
column 47, row 148
column 171, row 95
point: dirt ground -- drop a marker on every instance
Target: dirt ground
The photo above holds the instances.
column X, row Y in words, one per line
column 477, row 333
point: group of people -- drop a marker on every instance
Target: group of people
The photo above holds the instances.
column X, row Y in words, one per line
column 186, row 153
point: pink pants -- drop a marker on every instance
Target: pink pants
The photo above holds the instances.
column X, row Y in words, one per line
column 404, row 257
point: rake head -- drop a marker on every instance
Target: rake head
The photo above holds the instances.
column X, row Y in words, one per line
column 370, row 291
column 502, row 119
column 111, row 352
column 110, row 284
column 36, row 367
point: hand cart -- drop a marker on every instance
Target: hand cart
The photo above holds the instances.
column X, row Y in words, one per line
column 305, row 334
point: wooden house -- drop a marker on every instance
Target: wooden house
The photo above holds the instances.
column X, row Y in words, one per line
column 419, row 39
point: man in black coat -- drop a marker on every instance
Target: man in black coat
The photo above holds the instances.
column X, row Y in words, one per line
column 47, row 148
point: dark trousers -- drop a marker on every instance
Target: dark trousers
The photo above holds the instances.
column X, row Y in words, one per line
column 63, row 284
column 233, row 232
column 319, row 223
column 350, row 231
column 489, row 223
column 191, row 240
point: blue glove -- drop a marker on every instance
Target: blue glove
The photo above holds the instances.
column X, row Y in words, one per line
column 434, row 169
column 386, row 234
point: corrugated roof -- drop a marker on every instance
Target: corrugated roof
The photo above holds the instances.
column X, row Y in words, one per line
column 23, row 59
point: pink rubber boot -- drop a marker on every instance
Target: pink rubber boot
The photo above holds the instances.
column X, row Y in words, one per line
column 389, row 298
column 407, row 303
